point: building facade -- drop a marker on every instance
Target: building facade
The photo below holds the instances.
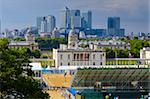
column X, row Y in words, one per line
column 73, row 19
column 76, row 57
column 112, row 44
column 145, row 54
column 29, row 43
column 113, row 27
column 73, row 55
column 65, row 18
column 87, row 20
column 46, row 24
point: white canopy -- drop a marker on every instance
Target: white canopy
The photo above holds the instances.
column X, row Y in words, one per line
column 68, row 67
column 36, row 66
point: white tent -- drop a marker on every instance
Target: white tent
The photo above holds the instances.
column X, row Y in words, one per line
column 36, row 66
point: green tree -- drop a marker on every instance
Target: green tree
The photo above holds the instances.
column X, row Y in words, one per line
column 15, row 79
column 50, row 43
column 36, row 53
column 110, row 53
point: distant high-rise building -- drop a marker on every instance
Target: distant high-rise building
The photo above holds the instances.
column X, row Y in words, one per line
column 70, row 19
column 87, row 20
column 39, row 23
column 76, row 22
column 65, row 18
column 55, row 33
column 46, row 24
column 74, row 12
column 51, row 23
column 43, row 25
column 114, row 22
column 113, row 28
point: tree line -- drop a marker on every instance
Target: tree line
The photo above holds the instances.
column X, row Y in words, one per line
column 15, row 74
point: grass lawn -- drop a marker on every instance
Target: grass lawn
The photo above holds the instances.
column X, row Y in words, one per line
column 121, row 62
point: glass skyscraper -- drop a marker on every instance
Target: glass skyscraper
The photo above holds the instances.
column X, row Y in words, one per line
column 73, row 19
column 87, row 20
column 113, row 27
column 46, row 24
column 65, row 18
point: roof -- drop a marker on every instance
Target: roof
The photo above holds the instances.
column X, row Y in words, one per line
column 68, row 67
column 36, row 66
column 57, row 80
column 118, row 79
column 78, row 50
column 19, row 43
column 110, row 42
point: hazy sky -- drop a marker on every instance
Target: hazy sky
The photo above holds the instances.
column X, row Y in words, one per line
column 134, row 14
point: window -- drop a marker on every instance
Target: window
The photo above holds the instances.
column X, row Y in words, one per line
column 68, row 64
column 61, row 64
column 100, row 63
column 77, row 56
column 93, row 56
column 101, row 56
column 93, row 63
column 68, row 56
column 81, row 56
column 74, row 56
column 61, row 56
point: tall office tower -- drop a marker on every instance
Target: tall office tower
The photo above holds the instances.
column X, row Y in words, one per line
column 114, row 22
column 39, row 23
column 51, row 23
column 43, row 25
column 75, row 19
column 70, row 18
column 65, row 18
column 75, row 22
column 74, row 12
column 87, row 20
column 46, row 24
column 113, row 28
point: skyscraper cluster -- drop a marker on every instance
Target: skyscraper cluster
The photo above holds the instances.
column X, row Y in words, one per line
column 46, row 24
column 81, row 22
column 75, row 19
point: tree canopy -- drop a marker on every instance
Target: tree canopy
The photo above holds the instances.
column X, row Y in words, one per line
column 50, row 43
column 15, row 79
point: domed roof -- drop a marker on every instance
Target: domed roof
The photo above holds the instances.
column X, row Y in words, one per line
column 72, row 32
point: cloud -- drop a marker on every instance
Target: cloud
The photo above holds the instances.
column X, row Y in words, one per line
column 130, row 6
column 132, row 12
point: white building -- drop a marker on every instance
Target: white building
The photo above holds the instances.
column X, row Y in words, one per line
column 78, row 57
column 145, row 54
column 112, row 44
column 72, row 55
column 29, row 43
column 55, row 33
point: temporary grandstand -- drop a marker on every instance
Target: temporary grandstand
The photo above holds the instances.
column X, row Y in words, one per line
column 125, row 83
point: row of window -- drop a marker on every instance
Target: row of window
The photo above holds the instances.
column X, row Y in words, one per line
column 82, row 56
column 61, row 64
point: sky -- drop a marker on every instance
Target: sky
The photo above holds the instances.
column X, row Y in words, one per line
column 134, row 14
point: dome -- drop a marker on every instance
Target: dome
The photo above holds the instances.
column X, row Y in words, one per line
column 72, row 32
column 72, row 39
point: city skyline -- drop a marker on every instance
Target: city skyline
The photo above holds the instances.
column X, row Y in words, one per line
column 133, row 18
